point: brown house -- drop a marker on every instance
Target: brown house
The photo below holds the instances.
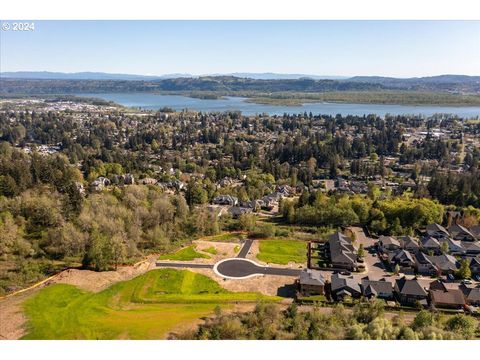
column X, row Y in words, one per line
column 311, row 282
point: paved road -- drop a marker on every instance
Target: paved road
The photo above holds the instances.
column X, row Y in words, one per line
column 245, row 248
column 238, row 268
column 184, row 265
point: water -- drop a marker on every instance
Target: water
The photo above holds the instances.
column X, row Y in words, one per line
column 177, row 102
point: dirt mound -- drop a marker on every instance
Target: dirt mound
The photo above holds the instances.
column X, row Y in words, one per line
column 97, row 281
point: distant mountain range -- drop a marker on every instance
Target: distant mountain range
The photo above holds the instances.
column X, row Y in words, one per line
column 258, row 76
column 48, row 75
column 57, row 82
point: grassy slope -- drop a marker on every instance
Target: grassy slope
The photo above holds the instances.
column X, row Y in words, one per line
column 185, row 254
column 279, row 251
column 146, row 307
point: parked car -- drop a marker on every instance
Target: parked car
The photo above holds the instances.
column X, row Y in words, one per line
column 467, row 282
column 450, row 277
column 477, row 277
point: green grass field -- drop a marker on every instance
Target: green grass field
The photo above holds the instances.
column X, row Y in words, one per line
column 280, row 251
column 185, row 254
column 211, row 250
column 146, row 307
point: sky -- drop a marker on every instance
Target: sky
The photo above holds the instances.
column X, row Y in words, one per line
column 341, row 48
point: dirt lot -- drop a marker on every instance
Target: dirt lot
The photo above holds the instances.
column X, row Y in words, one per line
column 224, row 250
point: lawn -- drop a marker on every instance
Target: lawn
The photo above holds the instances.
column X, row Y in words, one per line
column 146, row 307
column 185, row 254
column 280, row 251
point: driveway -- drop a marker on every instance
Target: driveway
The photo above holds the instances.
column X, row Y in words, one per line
column 373, row 264
column 245, row 248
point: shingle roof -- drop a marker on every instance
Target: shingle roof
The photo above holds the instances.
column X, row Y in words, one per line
column 435, row 228
column 312, row 277
column 449, row 297
column 410, row 287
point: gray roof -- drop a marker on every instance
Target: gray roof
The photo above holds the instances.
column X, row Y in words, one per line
column 430, row 242
column 311, row 277
column 341, row 248
column 436, row 228
column 339, row 282
column 373, row 287
column 410, row 287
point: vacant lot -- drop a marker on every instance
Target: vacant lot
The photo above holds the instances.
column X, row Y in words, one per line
column 146, row 307
column 185, row 254
column 281, row 251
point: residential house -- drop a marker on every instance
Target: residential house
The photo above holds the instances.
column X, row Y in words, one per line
column 437, row 231
column 471, row 294
column 459, row 232
column 236, row 211
column 342, row 253
column 404, row 260
column 471, row 247
column 444, row 264
column 443, row 297
column 430, row 244
column 311, row 282
column 424, row 265
column 388, row 243
column 99, row 184
column 344, row 285
column 382, row 288
column 409, row 292
column 225, row 200
column 409, row 243
column 475, row 265
column 454, row 246
column 147, row 181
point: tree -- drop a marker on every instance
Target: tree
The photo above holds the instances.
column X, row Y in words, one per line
column 361, row 251
column 464, row 271
column 195, row 194
column 462, row 324
column 247, row 222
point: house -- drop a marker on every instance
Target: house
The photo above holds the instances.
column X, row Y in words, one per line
column 388, row 243
column 382, row 288
column 311, row 282
column 342, row 252
column 475, row 230
column 99, row 184
column 147, row 181
column 471, row 247
column 475, row 265
column 471, row 295
column 286, row 190
column 345, row 285
column 437, row 231
column 430, row 245
column 237, row 211
column 409, row 292
column 404, row 260
column 424, row 265
column 225, row 200
column 409, row 243
column 454, row 246
column 443, row 297
column 459, row 232
column 444, row 264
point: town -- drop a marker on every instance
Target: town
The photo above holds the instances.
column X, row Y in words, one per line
column 311, row 210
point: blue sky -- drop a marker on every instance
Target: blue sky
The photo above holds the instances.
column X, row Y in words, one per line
column 387, row 48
